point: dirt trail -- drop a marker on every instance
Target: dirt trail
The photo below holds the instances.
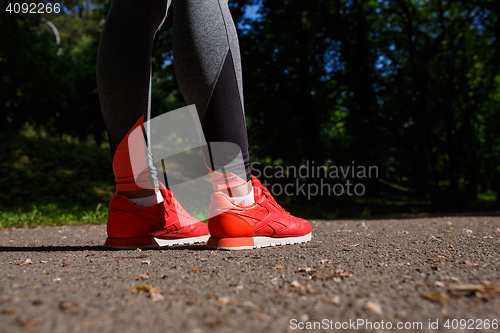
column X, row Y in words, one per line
column 352, row 274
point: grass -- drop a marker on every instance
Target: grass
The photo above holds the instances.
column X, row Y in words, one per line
column 52, row 214
column 48, row 182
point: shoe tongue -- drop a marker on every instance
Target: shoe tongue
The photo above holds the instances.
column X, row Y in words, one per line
column 166, row 194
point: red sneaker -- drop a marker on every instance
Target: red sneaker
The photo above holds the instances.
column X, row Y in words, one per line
column 264, row 223
column 166, row 224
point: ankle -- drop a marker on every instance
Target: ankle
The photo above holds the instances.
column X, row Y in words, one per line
column 239, row 191
column 245, row 200
column 241, row 195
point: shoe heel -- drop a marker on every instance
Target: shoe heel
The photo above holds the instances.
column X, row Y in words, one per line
column 231, row 243
column 131, row 243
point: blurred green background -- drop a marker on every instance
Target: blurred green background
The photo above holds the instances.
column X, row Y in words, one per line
column 409, row 86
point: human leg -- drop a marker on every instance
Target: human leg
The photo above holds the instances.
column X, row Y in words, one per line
column 208, row 67
column 124, row 78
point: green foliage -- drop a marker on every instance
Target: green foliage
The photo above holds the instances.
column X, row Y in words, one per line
column 409, row 86
column 48, row 85
column 47, row 182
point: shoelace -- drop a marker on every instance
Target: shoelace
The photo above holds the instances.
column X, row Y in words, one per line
column 182, row 221
column 170, row 199
column 268, row 195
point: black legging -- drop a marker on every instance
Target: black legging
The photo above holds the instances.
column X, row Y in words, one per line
column 206, row 61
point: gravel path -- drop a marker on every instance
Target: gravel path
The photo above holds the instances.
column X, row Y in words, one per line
column 352, row 274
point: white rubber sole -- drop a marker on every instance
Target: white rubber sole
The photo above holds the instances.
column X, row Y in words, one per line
column 249, row 243
column 186, row 241
column 151, row 242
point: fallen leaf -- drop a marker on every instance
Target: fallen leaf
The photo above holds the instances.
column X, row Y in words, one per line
column 5, row 300
column 28, row 325
column 438, row 297
column 263, row 316
column 306, row 269
column 154, row 293
column 67, row 304
column 474, row 288
column 143, row 288
column 8, row 311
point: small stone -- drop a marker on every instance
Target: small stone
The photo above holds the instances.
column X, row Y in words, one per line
column 373, row 307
